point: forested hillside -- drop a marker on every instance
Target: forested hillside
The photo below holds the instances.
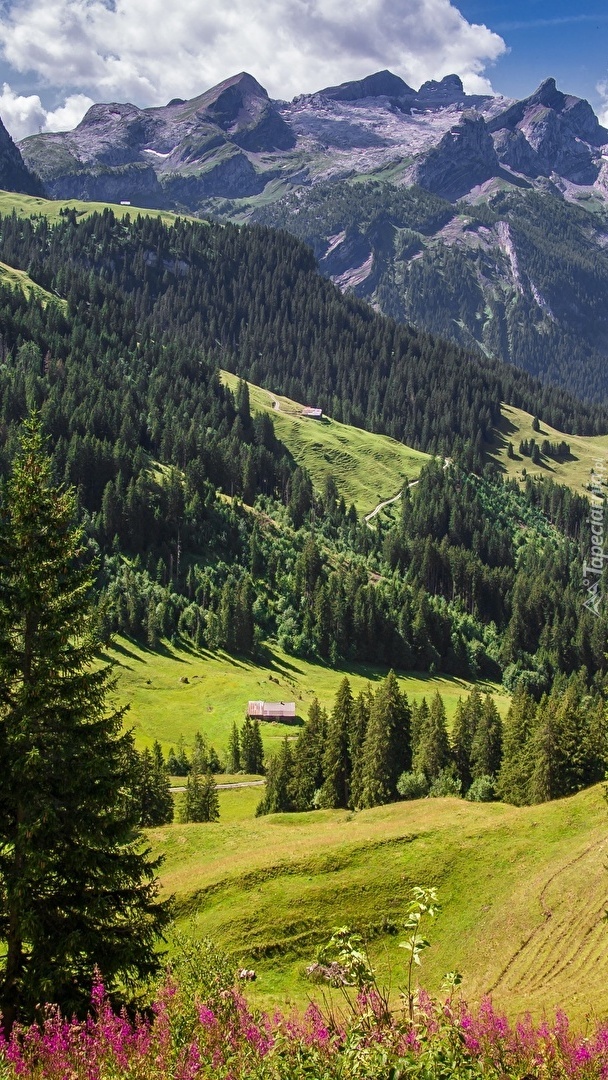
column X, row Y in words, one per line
column 519, row 274
column 472, row 577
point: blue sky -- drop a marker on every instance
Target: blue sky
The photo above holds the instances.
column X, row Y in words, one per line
column 57, row 57
column 547, row 37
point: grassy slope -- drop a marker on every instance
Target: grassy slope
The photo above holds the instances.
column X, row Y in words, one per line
column 524, row 892
column 18, row 279
column 219, row 687
column 367, row 468
column 32, row 206
column 575, row 473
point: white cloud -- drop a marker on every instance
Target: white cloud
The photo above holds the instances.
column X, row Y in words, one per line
column 66, row 116
column 148, row 51
column 602, row 89
column 24, row 114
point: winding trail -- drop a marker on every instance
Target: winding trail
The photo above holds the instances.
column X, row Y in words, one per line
column 388, row 502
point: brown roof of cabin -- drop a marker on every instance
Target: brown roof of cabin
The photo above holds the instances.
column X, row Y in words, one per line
column 270, row 709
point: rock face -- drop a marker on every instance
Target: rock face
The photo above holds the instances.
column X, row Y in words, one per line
column 234, row 143
column 464, row 159
column 562, row 132
column 449, row 91
column 170, row 156
column 14, row 174
column 381, row 84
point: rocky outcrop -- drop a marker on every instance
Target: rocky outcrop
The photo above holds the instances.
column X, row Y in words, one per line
column 14, row 174
column 562, row 132
column 513, row 149
column 464, row 158
column 381, row 84
column 449, row 91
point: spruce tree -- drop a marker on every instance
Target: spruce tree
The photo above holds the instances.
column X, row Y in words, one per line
column 307, row 776
column 200, row 755
column 233, row 757
column 466, row 722
column 257, row 749
column 77, row 889
column 462, row 742
column 486, row 748
column 356, row 742
column 153, row 790
column 164, row 809
column 201, row 803
column 513, row 781
column 418, row 721
column 178, row 763
column 252, row 752
column 433, row 753
column 279, row 773
column 386, row 750
column 336, row 760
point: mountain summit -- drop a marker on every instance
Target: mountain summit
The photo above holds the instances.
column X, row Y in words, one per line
column 175, row 155
column 233, row 142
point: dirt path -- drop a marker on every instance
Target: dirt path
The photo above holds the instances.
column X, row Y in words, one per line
column 228, row 787
column 388, row 502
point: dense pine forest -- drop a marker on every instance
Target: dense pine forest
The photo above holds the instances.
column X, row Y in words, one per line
column 204, row 525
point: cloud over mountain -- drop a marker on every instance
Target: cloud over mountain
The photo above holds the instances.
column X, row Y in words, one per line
column 147, row 52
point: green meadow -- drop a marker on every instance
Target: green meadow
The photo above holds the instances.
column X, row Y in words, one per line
column 34, row 206
column 367, row 468
column 576, row 472
column 177, row 692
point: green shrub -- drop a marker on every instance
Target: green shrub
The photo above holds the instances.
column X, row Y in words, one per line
column 446, row 784
column 483, row 789
column 413, row 785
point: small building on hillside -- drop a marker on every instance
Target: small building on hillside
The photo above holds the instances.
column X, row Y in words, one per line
column 313, row 414
column 272, row 710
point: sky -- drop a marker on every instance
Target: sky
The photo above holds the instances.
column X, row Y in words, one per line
column 57, row 57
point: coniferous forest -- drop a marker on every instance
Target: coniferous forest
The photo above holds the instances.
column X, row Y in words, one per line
column 474, row 576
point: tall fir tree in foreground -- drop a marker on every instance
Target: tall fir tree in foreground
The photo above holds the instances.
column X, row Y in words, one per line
column 77, row 888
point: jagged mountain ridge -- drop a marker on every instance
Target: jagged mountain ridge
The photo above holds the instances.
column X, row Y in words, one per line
column 234, row 142
column 526, row 283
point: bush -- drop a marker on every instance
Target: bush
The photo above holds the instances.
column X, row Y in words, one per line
column 483, row 789
column 413, row 785
column 446, row 784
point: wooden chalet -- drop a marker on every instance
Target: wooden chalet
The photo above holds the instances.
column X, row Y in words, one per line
column 272, row 710
column 313, row 414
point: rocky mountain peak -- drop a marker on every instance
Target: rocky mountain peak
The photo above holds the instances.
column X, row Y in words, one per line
column 14, row 174
column 380, row 84
column 448, row 91
column 561, row 131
